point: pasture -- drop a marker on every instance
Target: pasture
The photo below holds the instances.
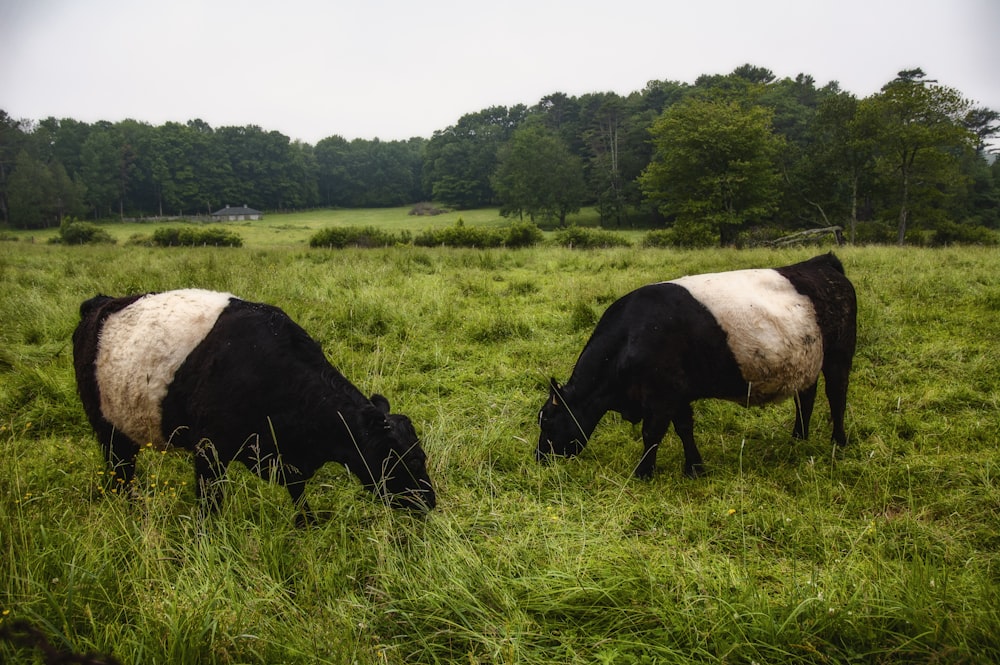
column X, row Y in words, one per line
column 293, row 230
column 885, row 551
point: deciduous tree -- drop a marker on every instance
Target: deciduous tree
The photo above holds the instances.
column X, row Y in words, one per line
column 715, row 165
column 918, row 130
column 537, row 175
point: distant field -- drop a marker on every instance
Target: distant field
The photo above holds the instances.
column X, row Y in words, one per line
column 887, row 551
column 294, row 229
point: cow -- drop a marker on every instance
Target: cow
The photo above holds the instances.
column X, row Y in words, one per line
column 235, row 380
column 749, row 336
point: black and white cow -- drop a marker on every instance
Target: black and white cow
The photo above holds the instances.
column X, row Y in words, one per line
column 235, row 380
column 749, row 336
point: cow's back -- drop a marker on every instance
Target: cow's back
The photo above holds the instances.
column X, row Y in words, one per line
column 771, row 329
column 140, row 348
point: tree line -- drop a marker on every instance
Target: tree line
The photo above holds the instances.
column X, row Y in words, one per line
column 725, row 155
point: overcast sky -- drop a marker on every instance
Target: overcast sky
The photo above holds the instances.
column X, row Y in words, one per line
column 394, row 69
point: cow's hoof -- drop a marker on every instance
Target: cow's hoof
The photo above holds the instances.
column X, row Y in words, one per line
column 642, row 473
column 695, row 470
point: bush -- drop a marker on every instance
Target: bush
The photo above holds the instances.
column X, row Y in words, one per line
column 523, row 234
column 690, row 234
column 658, row 238
column 459, row 235
column 75, row 232
column 189, row 237
column 339, row 237
column 952, row 233
column 586, row 238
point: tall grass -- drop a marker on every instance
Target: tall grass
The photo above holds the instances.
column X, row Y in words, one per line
column 884, row 552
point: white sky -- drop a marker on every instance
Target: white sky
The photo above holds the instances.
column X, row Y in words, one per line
column 394, row 69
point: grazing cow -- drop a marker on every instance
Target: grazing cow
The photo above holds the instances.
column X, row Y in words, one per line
column 235, row 380
column 750, row 336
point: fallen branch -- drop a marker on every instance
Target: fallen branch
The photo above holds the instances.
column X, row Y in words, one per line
column 808, row 234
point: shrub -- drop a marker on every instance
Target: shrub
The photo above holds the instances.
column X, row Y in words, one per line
column 523, row 234
column 690, row 234
column 658, row 238
column 586, row 238
column 75, row 232
column 459, row 235
column 189, row 237
column 952, row 233
column 339, row 237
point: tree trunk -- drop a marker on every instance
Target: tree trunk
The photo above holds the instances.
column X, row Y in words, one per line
column 854, row 207
column 901, row 233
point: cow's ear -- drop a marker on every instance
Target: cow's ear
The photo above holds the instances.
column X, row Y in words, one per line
column 381, row 403
column 554, row 390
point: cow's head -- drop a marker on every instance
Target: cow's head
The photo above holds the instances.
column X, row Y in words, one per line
column 395, row 466
column 561, row 433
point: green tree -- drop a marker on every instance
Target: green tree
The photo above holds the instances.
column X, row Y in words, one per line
column 714, row 166
column 99, row 170
column 615, row 135
column 845, row 154
column 67, row 193
column 333, row 174
column 920, row 137
column 30, row 193
column 174, row 182
column 537, row 175
column 461, row 159
column 12, row 142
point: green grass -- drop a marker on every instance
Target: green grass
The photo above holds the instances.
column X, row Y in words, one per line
column 293, row 230
column 887, row 551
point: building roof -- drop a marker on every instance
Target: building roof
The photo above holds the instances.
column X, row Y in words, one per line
column 236, row 210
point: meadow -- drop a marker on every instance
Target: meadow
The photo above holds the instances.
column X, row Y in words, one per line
column 293, row 230
column 886, row 551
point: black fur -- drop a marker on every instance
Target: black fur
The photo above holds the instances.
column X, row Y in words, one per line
column 658, row 349
column 259, row 390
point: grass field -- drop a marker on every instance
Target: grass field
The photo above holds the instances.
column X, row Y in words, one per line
column 293, row 230
column 887, row 551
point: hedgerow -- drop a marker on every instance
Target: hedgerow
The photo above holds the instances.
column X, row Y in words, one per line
column 338, row 237
column 75, row 232
column 191, row 237
column 518, row 234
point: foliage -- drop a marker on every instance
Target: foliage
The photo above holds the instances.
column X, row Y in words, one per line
column 363, row 173
column 74, row 232
column 347, row 236
column 917, row 126
column 828, row 158
column 950, row 233
column 522, row 234
column 461, row 159
column 185, row 236
column 885, row 551
column 715, row 165
column 518, row 234
column 681, row 234
column 538, row 176
column 580, row 237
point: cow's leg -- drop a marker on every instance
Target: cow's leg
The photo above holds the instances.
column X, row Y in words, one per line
column 654, row 427
column 836, row 375
column 208, row 471
column 684, row 426
column 119, row 456
column 804, row 402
